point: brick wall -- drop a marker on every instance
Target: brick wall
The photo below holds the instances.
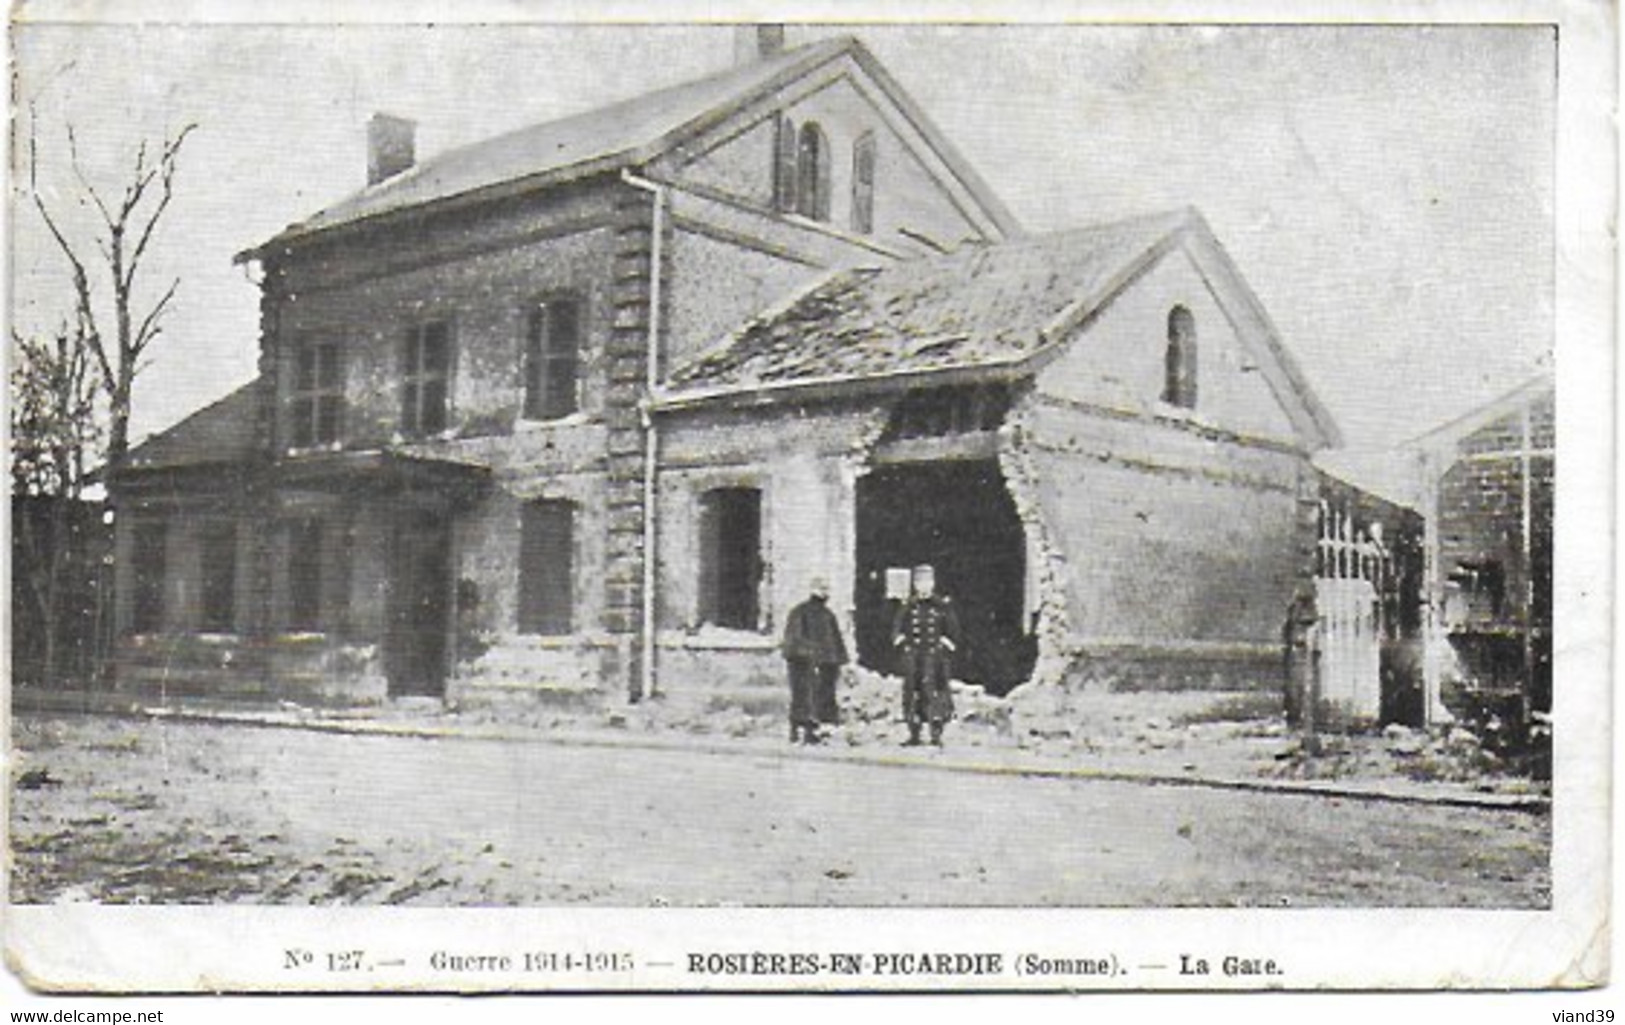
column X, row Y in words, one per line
column 480, row 273
column 1493, row 622
column 1480, row 510
column 805, row 461
column 1180, row 552
column 701, row 314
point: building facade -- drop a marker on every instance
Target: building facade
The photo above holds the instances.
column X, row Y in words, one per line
column 581, row 410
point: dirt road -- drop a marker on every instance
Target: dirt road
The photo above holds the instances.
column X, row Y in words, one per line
column 126, row 811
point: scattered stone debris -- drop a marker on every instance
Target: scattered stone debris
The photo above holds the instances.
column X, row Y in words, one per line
column 37, row 779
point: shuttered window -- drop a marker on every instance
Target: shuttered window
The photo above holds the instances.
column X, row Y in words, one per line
column 218, row 544
column 552, row 358
column 304, row 541
column 547, row 568
column 863, row 184
column 425, row 377
column 148, row 557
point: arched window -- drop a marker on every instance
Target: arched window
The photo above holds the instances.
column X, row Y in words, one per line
column 784, row 166
column 1179, row 371
column 863, row 184
column 812, row 173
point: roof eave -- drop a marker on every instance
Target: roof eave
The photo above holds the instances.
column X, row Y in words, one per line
column 131, row 474
column 1482, row 415
column 607, row 164
column 838, row 385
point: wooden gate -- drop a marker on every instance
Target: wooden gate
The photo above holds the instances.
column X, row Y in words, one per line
column 1352, row 567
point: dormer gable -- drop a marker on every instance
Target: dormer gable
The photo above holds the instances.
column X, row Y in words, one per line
column 844, row 147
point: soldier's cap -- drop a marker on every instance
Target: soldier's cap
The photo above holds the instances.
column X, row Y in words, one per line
column 925, row 567
column 819, row 585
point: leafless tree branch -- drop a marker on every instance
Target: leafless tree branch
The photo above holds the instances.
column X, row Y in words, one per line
column 150, row 329
column 141, row 208
column 84, row 182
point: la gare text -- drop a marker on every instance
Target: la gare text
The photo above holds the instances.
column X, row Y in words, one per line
column 1231, row 964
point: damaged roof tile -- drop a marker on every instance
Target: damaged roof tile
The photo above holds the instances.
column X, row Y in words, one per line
column 978, row 304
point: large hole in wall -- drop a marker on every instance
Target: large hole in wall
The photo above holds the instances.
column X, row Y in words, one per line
column 959, row 517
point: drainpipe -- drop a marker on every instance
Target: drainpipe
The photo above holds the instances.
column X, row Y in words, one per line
column 647, row 684
column 1526, row 499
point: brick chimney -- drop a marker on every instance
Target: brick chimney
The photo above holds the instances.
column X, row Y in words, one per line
column 754, row 43
column 391, row 146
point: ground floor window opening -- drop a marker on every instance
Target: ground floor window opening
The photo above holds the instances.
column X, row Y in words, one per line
column 219, row 590
column 147, row 558
column 731, row 557
column 547, row 568
column 304, row 575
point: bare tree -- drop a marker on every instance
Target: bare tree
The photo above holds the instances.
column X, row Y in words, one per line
column 128, row 223
column 54, row 431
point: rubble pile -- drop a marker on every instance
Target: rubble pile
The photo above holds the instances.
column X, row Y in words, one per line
column 1237, row 735
column 1450, row 754
column 867, row 696
column 1052, row 717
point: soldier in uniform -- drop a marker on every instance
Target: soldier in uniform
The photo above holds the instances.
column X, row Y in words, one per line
column 814, row 653
column 926, row 634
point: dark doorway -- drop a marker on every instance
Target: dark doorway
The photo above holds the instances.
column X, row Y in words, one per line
column 959, row 517
column 419, row 606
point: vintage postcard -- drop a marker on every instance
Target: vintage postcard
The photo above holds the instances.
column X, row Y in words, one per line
column 605, row 499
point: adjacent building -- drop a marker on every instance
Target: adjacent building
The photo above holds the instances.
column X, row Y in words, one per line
column 1487, row 481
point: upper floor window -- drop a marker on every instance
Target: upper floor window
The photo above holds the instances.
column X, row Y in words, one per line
column 318, row 393
column 812, row 172
column 863, row 184
column 1179, row 362
column 552, row 356
column 425, row 377
column 784, row 166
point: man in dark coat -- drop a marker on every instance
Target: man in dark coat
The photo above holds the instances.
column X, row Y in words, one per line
column 926, row 634
column 815, row 652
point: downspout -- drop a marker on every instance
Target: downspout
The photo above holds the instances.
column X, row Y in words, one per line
column 647, row 686
column 1527, row 569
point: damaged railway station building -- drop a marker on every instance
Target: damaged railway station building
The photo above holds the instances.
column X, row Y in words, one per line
column 582, row 409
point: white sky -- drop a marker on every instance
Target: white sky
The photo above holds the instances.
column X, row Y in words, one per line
column 1387, row 191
